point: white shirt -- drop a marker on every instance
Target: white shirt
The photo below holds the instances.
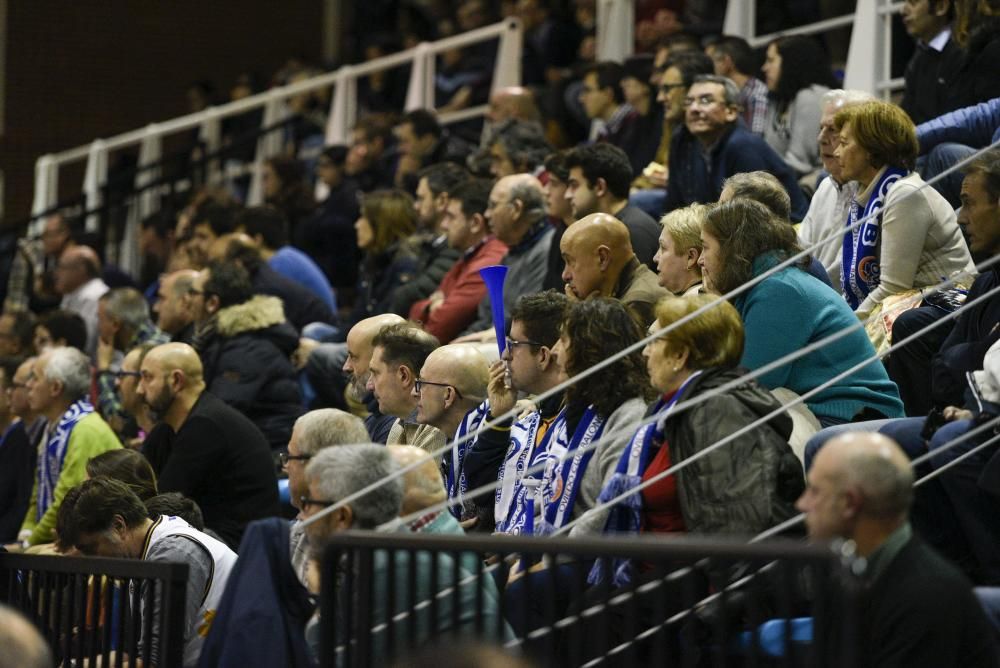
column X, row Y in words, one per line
column 83, row 301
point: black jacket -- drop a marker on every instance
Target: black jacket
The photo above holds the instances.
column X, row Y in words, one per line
column 247, row 361
column 329, row 238
column 434, row 258
column 928, row 76
column 977, row 80
column 301, row 305
column 17, row 476
column 222, row 462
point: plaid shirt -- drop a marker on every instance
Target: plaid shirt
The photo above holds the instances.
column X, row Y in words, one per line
column 29, row 262
column 109, row 402
column 753, row 98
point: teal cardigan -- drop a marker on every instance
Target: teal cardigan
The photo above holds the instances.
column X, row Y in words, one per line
column 789, row 310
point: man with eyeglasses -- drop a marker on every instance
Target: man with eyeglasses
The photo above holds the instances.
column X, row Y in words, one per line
column 18, row 450
column 203, row 448
column 714, row 145
column 500, row 453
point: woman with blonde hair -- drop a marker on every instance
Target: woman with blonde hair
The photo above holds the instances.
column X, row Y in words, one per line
column 677, row 256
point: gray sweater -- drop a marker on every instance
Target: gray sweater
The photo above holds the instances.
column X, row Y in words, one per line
column 792, row 132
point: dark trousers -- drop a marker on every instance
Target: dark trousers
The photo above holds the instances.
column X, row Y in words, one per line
column 910, row 366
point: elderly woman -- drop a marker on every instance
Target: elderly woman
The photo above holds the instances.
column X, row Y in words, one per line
column 797, row 73
column 788, row 311
column 910, row 238
column 676, row 258
column 745, row 486
column 388, row 219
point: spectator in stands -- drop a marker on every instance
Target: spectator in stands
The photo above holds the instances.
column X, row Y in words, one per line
column 22, row 645
column 173, row 308
column 245, row 344
column 313, row 432
column 398, row 353
column 600, row 263
column 156, row 243
column 953, row 137
column 422, row 490
column 328, row 236
column 599, row 178
column 679, row 249
column 123, row 324
column 60, row 328
column 32, row 422
column 301, row 306
column 451, row 394
column 977, row 30
column 268, row 228
column 388, row 220
column 912, row 237
column 829, row 206
column 517, row 147
column 503, row 451
column 27, row 274
column 559, row 211
column 746, row 486
column 18, row 452
column 175, row 504
column 612, row 119
column 453, row 304
column 789, row 310
column 283, row 184
column 550, row 43
column 209, row 221
column 860, row 489
column 423, row 142
column 203, row 448
column 78, row 280
column 712, row 132
column 796, row 90
column 368, row 157
column 515, row 214
column 733, row 58
column 128, row 467
column 929, row 73
column 57, row 237
column 57, row 390
column 435, row 257
column 17, row 333
column 103, row 517
column 639, row 94
column 509, row 103
column 126, row 382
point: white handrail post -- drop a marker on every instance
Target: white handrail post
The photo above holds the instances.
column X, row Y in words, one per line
column 615, row 29
column 342, row 107
column 145, row 202
column 507, row 70
column 46, row 189
column 268, row 145
column 210, row 135
column 741, row 19
column 416, row 91
column 94, row 180
column 863, row 57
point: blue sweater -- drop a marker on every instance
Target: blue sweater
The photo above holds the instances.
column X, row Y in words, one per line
column 736, row 152
column 293, row 264
column 790, row 310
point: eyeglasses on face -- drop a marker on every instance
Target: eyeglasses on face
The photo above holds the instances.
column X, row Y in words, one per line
column 705, row 100
column 306, row 502
column 120, row 375
column 419, row 383
column 284, row 458
column 513, row 343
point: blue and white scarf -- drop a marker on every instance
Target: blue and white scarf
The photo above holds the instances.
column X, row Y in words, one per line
column 548, row 505
column 454, row 459
column 522, row 444
column 860, row 271
column 51, row 462
column 626, row 515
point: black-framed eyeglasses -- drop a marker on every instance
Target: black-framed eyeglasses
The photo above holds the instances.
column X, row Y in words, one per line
column 513, row 343
column 127, row 374
column 419, row 383
column 284, row 458
column 705, row 100
column 305, row 502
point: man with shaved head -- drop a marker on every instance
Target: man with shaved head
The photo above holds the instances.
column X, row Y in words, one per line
column 173, row 308
column 451, row 393
column 600, row 263
column 917, row 608
column 78, row 280
column 334, row 368
column 202, row 448
column 515, row 214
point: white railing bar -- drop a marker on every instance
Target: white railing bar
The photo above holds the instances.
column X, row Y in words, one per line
column 810, row 29
column 463, row 114
column 891, row 84
column 890, row 8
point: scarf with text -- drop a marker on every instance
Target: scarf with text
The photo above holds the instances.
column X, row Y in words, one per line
column 51, row 461
column 454, row 460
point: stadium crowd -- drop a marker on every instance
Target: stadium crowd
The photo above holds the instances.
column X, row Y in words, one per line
column 740, row 202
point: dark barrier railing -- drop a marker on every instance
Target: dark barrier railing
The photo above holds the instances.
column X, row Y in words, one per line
column 689, row 603
column 115, row 609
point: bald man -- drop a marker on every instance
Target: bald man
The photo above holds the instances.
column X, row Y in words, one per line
column 422, row 485
column 333, row 368
column 516, row 216
column 21, row 645
column 78, row 280
column 202, row 448
column 452, row 397
column 173, row 308
column 600, row 262
column 918, row 609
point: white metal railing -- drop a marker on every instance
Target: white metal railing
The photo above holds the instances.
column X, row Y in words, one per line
column 869, row 57
column 343, row 115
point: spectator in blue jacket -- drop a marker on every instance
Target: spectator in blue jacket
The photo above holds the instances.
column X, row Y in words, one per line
column 952, row 137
